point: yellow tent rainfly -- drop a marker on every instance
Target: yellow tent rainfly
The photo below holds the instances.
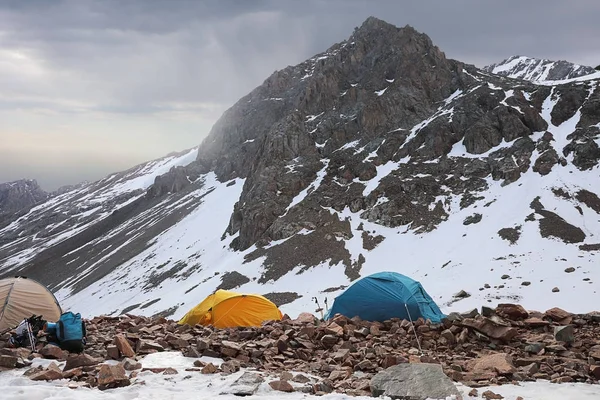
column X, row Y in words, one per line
column 225, row 309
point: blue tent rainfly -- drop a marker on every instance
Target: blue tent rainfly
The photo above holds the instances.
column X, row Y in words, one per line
column 386, row 295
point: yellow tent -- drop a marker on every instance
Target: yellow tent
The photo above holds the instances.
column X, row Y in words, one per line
column 225, row 309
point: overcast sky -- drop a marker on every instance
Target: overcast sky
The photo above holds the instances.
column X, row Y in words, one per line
column 92, row 87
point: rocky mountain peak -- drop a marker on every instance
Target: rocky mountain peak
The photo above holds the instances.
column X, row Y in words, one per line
column 406, row 39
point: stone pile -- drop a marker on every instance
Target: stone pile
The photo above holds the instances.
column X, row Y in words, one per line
column 503, row 345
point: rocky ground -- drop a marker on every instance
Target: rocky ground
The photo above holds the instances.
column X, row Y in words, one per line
column 505, row 345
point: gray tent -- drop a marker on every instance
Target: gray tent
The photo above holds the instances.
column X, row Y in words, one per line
column 21, row 298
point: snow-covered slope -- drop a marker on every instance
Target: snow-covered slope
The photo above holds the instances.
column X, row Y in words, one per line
column 539, row 70
column 459, row 178
column 64, row 216
column 455, row 256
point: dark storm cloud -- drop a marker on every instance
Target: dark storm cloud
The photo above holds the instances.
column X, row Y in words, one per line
column 113, row 62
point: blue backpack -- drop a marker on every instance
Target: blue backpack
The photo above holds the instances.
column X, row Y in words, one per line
column 70, row 327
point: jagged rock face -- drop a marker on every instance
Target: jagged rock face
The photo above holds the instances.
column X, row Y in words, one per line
column 534, row 69
column 19, row 195
column 381, row 79
column 384, row 96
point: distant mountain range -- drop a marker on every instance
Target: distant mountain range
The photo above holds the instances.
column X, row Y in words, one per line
column 537, row 70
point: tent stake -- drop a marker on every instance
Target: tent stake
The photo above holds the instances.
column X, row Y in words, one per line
column 413, row 328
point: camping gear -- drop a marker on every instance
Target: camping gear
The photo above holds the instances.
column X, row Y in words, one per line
column 69, row 332
column 225, row 309
column 26, row 332
column 21, row 297
column 386, row 295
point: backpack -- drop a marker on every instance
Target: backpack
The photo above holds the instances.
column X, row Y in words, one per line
column 70, row 327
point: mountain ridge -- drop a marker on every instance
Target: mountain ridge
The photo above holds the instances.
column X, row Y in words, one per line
column 379, row 153
column 538, row 70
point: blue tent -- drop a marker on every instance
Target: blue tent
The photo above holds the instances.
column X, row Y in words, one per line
column 386, row 295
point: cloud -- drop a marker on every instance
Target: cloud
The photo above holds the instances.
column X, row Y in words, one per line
column 116, row 69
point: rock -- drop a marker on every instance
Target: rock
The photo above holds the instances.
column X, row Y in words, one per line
column 531, row 369
column 325, row 386
column 569, row 270
column 454, row 316
column 340, row 374
column 489, row 395
column 534, row 347
column 170, row 371
column 231, row 345
column 365, row 365
column 334, row 329
column 534, row 322
column 8, row 361
column 124, row 347
column 286, row 376
column 448, row 336
column 414, row 381
column 130, row 365
column 209, row 368
column 461, row 295
column 231, row 366
column 191, row 352
column 391, row 360
column 301, row 378
column 230, row 349
column 147, row 347
column 203, row 344
column 73, row 373
column 305, row 318
column 487, row 311
column 112, row 351
column 51, row 373
column 564, row 334
column 499, row 363
column 112, row 376
column 512, row 311
column 245, row 385
column 491, row 329
column 328, row 341
column 80, row 360
column 470, row 314
column 557, row 314
column 211, row 353
column 555, row 290
column 595, row 371
column 281, row 386
column 555, row 348
column 473, row 393
column 52, row 352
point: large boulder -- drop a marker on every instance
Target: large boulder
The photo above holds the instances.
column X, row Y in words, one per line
column 80, row 360
column 112, row 376
column 245, row 385
column 499, row 363
column 51, row 373
column 512, row 311
column 124, row 347
column 413, row 382
column 491, row 329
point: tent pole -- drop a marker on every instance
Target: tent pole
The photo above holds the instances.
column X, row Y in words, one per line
column 413, row 328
